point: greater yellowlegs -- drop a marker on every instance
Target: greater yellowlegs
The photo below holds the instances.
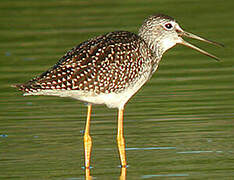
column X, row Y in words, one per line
column 110, row 69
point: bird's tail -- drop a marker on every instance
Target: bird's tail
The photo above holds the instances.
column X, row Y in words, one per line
column 18, row 86
column 26, row 88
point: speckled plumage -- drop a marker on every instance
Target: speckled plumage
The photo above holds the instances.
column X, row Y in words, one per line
column 108, row 64
column 105, row 64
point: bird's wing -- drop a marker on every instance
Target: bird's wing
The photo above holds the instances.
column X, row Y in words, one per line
column 106, row 63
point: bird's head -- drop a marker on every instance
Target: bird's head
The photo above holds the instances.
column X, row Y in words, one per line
column 162, row 32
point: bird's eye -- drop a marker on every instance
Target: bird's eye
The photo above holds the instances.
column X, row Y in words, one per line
column 168, row 26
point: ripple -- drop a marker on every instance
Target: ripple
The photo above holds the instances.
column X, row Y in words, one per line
column 3, row 135
column 150, row 148
column 164, row 175
column 197, row 152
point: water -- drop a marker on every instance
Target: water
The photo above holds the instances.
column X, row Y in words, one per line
column 179, row 126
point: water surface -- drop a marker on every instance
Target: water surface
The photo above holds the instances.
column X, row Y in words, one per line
column 179, row 126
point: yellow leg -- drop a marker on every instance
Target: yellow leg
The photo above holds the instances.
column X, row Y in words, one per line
column 87, row 139
column 120, row 139
column 123, row 174
column 87, row 174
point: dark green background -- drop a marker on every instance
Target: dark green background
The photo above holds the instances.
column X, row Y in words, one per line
column 187, row 107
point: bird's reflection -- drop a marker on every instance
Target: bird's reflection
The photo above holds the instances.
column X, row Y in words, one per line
column 87, row 174
column 123, row 174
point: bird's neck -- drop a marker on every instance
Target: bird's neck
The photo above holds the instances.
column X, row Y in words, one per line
column 153, row 44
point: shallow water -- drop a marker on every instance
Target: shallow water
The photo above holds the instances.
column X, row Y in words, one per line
column 179, row 126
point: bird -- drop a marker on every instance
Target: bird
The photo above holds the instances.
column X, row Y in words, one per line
column 109, row 69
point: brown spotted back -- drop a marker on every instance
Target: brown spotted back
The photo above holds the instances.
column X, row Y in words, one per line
column 104, row 64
